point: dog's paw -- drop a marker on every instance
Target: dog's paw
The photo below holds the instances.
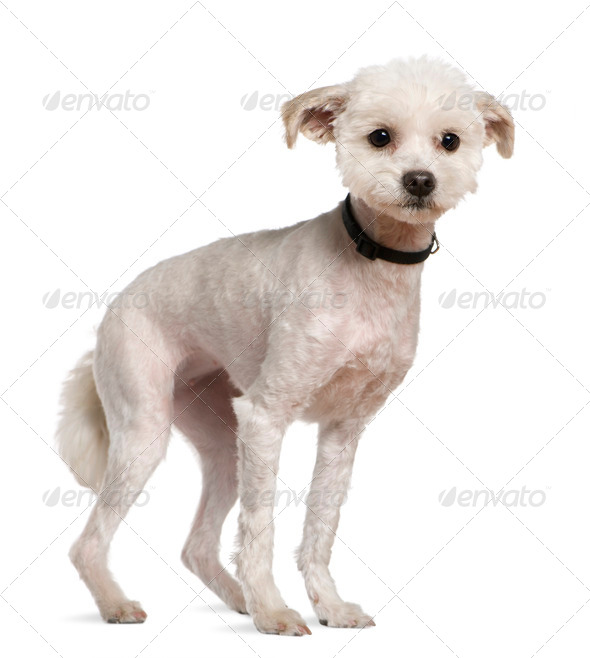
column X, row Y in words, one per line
column 125, row 612
column 343, row 615
column 280, row 622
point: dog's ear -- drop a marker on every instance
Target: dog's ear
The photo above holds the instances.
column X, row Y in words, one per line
column 313, row 114
column 499, row 124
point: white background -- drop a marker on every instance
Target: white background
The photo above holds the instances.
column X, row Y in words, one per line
column 497, row 397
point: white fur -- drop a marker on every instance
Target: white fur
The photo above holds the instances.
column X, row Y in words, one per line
column 82, row 435
column 200, row 356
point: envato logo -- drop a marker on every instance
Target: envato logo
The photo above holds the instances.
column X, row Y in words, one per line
column 273, row 498
column 280, row 299
column 477, row 100
column 84, row 497
column 510, row 498
column 514, row 299
column 265, row 102
column 76, row 300
column 88, row 101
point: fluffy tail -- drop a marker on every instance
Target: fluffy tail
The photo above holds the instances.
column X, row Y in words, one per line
column 82, row 435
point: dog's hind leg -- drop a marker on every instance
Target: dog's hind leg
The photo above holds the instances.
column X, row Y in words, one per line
column 138, row 409
column 210, row 424
column 337, row 445
column 135, row 452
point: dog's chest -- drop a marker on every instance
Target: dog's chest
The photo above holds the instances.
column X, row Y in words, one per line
column 376, row 362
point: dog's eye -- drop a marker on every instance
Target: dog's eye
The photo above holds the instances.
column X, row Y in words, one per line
column 450, row 142
column 379, row 138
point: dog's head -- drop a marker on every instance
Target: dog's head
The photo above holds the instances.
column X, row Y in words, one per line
column 409, row 135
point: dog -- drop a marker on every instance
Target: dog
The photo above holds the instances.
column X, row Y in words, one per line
column 232, row 376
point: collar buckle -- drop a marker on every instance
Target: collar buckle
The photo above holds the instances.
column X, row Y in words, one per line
column 366, row 248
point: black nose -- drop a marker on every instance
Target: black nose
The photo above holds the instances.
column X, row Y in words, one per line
column 419, row 183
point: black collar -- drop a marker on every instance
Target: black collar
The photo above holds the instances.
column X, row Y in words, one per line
column 372, row 250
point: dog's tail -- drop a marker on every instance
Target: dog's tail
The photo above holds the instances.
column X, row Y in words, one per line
column 82, row 435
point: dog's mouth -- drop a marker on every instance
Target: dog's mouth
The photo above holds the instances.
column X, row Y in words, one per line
column 409, row 207
column 417, row 204
column 413, row 203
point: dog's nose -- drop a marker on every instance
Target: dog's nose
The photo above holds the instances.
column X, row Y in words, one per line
column 419, row 183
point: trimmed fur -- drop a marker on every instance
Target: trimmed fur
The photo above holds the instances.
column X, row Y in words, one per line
column 220, row 351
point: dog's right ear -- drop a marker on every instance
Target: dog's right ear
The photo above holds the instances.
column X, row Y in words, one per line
column 313, row 113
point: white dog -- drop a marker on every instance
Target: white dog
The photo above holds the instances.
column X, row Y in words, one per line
column 232, row 376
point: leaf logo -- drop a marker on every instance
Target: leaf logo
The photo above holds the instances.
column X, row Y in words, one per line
column 447, row 300
column 51, row 300
column 51, row 499
column 51, row 102
column 251, row 102
column 447, row 498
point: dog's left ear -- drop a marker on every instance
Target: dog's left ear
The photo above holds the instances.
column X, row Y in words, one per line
column 499, row 124
column 313, row 113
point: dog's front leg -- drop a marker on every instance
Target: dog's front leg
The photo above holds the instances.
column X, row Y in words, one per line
column 260, row 432
column 337, row 445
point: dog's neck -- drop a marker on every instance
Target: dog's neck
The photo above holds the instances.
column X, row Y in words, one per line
column 391, row 232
